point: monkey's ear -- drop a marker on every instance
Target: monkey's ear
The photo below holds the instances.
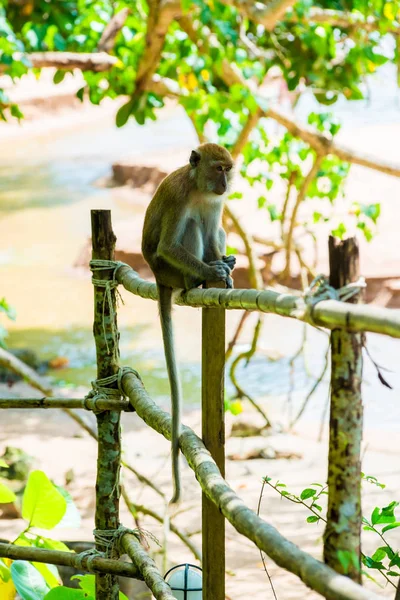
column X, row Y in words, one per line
column 194, row 158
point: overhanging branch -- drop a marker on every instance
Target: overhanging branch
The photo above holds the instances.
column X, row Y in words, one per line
column 84, row 61
column 321, row 143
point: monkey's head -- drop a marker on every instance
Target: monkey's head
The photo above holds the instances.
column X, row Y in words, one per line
column 211, row 168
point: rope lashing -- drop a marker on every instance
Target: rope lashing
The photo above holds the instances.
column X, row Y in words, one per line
column 101, row 388
column 109, row 539
column 319, row 289
column 85, row 559
column 108, row 285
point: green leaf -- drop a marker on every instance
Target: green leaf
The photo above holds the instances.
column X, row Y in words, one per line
column 5, row 573
column 10, row 312
column 72, row 518
column 235, row 407
column 64, row 593
column 80, row 93
column 375, row 515
column 393, row 573
column 59, row 76
column 3, row 464
column 312, row 519
column 394, row 559
column 30, row 584
column 273, row 212
column 124, row 113
column 371, row 564
column 372, row 211
column 6, row 495
column 391, row 526
column 235, row 196
column 344, row 559
column 307, row 493
column 87, row 583
column 49, row 544
column 42, row 504
column 339, row 231
column 261, row 201
column 14, row 110
column 379, row 555
column 50, row 574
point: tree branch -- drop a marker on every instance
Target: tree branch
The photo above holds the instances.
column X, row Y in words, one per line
column 269, row 14
column 111, row 30
column 244, row 135
column 97, row 564
column 300, row 197
column 265, row 14
column 161, row 15
column 84, row 61
column 14, row 364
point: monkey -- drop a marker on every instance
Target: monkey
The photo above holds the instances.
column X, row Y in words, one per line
column 184, row 244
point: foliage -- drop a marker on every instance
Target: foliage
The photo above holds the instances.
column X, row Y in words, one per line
column 385, row 559
column 44, row 506
column 330, row 57
column 87, row 590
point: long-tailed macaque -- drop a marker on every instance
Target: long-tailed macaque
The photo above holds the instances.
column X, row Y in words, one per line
column 184, row 244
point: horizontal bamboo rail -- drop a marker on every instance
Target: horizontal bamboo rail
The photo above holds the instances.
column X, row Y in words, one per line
column 331, row 314
column 284, row 553
column 96, row 404
column 70, row 559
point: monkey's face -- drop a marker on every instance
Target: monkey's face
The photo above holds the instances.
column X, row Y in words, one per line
column 212, row 167
column 220, row 178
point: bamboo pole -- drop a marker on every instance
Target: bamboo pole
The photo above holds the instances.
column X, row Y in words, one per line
column 213, row 434
column 70, row 559
column 331, row 314
column 147, row 567
column 96, row 404
column 343, row 527
column 287, row 555
column 108, row 423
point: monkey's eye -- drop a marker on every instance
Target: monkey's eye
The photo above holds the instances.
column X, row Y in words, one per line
column 228, row 169
column 219, row 168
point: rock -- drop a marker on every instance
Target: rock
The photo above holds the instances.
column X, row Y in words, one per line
column 138, row 176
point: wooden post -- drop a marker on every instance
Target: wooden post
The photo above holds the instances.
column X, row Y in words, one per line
column 108, row 422
column 213, row 432
column 342, row 548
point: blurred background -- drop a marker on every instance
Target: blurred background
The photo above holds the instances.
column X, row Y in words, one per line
column 99, row 102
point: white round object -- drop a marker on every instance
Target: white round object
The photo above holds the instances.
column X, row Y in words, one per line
column 185, row 578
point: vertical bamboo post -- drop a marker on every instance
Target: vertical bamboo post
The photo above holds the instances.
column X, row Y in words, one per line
column 213, row 432
column 342, row 549
column 108, row 422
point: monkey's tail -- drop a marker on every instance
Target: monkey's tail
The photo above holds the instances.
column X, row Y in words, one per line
column 165, row 305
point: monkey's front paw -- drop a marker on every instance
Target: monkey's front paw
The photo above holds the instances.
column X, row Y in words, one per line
column 230, row 261
column 222, row 264
column 217, row 271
